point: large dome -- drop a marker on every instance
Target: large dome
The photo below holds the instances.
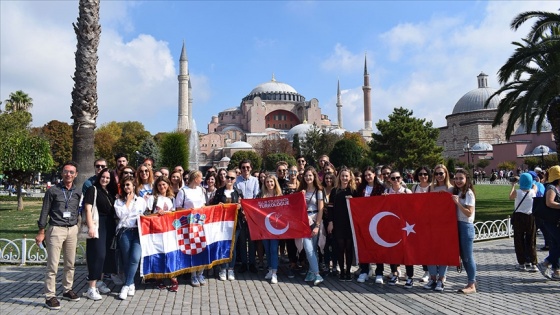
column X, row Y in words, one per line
column 475, row 99
column 274, row 91
column 544, row 127
column 301, row 130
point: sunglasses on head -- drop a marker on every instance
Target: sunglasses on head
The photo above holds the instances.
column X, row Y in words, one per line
column 395, row 178
column 439, row 173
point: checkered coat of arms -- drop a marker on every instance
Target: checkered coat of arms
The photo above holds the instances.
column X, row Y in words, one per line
column 190, row 235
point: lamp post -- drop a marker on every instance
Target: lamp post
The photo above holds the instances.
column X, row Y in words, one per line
column 542, row 156
column 467, row 149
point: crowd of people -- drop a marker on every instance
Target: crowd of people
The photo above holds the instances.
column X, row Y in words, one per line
column 120, row 196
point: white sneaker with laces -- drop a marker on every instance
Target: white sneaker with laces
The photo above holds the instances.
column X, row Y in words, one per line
column 362, row 278
column 93, row 294
column 124, row 292
column 379, row 279
column 268, row 275
column 439, row 286
column 222, row 275
column 425, row 277
column 274, row 279
column 230, row 275
column 102, row 287
column 430, row 285
column 194, row 280
column 131, row 290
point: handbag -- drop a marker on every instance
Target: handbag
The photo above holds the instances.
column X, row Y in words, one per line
column 83, row 233
column 542, row 211
column 512, row 214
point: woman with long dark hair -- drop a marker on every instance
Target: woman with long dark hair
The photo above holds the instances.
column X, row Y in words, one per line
column 100, row 259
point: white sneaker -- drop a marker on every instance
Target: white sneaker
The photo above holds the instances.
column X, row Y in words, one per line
column 268, row 276
column 222, row 275
column 230, row 275
column 425, row 277
column 201, row 279
column 102, row 287
column 116, row 279
column 362, row 277
column 273, row 279
column 194, row 280
column 93, row 294
column 399, row 274
column 379, row 279
column 131, row 290
column 124, row 292
column 439, row 286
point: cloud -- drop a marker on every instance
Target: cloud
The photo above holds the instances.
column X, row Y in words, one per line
column 343, row 60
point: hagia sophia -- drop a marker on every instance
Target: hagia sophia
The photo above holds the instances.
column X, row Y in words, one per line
column 275, row 110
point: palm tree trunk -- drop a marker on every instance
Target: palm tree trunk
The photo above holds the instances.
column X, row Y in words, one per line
column 84, row 94
column 553, row 115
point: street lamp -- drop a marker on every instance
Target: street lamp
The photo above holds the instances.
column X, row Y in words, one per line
column 467, row 149
column 542, row 156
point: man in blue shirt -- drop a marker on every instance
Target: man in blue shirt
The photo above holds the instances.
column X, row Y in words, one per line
column 248, row 187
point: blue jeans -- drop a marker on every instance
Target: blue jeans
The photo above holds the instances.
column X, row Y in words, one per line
column 129, row 245
column 271, row 250
column 231, row 264
column 554, row 244
column 466, row 239
column 310, row 247
column 437, row 271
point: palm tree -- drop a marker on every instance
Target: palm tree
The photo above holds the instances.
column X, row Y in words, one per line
column 84, row 94
column 531, row 76
column 19, row 101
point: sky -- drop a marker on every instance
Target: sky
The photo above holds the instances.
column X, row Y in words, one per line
column 421, row 55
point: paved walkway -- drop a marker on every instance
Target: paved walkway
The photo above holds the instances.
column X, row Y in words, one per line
column 502, row 290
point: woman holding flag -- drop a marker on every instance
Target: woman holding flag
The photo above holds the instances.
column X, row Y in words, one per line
column 271, row 189
column 313, row 192
column 339, row 220
column 463, row 196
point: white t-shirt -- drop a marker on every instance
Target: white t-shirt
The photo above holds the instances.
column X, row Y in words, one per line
column 526, row 206
column 145, row 190
column 401, row 190
column 162, row 201
column 311, row 198
column 190, row 198
column 468, row 201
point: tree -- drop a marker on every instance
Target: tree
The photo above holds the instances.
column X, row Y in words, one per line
column 19, row 101
column 175, row 150
column 356, row 137
column 271, row 160
column 326, row 144
column 507, row 165
column 311, row 143
column 150, row 149
column 256, row 160
column 346, row 152
column 267, row 146
column 106, row 139
column 482, row 164
column 531, row 76
column 84, row 93
column 59, row 136
column 21, row 156
column 405, row 142
column 132, row 136
column 450, row 164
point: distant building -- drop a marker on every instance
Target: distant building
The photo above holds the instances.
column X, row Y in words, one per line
column 469, row 132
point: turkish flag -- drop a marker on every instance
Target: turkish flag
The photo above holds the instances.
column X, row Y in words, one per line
column 409, row 229
column 282, row 217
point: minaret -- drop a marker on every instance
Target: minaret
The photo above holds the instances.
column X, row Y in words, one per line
column 367, row 98
column 190, row 117
column 339, row 106
column 183, row 122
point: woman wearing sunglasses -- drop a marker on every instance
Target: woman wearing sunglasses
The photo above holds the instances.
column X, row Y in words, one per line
column 440, row 183
column 144, row 181
column 396, row 186
column 422, row 176
column 227, row 194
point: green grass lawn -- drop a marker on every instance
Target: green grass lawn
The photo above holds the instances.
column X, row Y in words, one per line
column 492, row 203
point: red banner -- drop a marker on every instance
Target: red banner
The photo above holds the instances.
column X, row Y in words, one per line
column 282, row 217
column 410, row 229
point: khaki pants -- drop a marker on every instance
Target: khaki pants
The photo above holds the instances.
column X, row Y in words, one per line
column 59, row 239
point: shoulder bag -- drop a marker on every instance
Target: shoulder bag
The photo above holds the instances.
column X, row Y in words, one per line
column 84, row 229
column 542, row 211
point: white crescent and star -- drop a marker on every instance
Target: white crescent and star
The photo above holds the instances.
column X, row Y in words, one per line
column 272, row 229
column 409, row 228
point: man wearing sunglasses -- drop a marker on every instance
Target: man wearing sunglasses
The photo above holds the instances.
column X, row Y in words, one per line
column 248, row 187
column 282, row 173
column 99, row 165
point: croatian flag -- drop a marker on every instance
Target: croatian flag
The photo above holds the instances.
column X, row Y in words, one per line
column 187, row 240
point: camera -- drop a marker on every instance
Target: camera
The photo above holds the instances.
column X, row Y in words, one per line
column 514, row 179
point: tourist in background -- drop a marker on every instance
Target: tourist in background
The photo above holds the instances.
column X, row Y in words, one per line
column 524, row 229
column 552, row 198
